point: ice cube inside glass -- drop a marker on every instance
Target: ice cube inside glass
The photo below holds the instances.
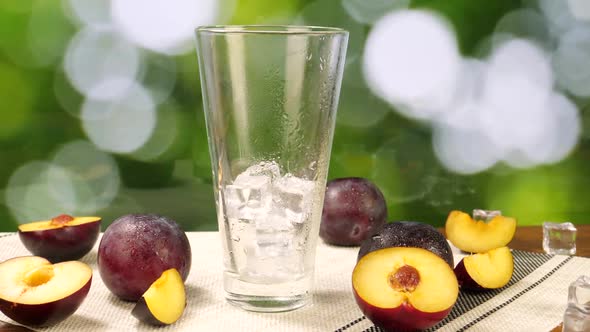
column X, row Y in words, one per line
column 559, row 238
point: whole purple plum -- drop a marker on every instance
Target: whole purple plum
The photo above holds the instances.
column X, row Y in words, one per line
column 353, row 208
column 136, row 248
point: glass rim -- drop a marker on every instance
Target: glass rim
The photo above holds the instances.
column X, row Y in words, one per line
column 270, row 29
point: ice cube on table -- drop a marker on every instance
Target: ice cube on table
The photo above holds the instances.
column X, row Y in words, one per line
column 577, row 314
column 292, row 198
column 559, row 238
column 485, row 215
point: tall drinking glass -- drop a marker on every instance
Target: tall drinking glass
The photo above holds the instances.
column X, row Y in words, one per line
column 270, row 95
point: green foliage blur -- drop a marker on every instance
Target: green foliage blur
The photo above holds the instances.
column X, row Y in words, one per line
column 40, row 112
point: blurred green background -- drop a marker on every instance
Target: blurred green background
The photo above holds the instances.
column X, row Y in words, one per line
column 456, row 104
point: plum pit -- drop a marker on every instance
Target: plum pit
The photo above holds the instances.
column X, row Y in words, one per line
column 404, row 279
column 61, row 220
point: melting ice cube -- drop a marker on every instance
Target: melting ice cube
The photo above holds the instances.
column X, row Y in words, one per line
column 248, row 198
column 559, row 238
column 577, row 314
column 292, row 198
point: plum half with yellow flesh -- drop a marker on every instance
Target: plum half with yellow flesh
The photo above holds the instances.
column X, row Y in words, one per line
column 404, row 288
column 164, row 302
column 62, row 238
column 35, row 292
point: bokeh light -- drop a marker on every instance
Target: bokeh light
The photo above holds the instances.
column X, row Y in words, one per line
column 558, row 14
column 399, row 67
column 28, row 196
column 463, row 111
column 78, row 180
column 513, row 113
column 48, row 32
column 357, row 106
column 94, row 13
column 166, row 135
column 122, row 125
column 66, row 95
column 368, row 12
column 525, row 23
column 580, row 9
column 159, row 77
column 314, row 13
column 570, row 61
column 563, row 132
column 464, row 150
column 94, row 57
column 83, row 178
column 165, row 27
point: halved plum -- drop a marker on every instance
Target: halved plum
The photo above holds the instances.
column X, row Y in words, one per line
column 35, row 292
column 62, row 238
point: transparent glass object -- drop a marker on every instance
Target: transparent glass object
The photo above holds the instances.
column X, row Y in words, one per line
column 485, row 215
column 559, row 238
column 577, row 314
column 270, row 95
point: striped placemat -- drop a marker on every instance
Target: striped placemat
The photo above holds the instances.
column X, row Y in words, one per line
column 534, row 300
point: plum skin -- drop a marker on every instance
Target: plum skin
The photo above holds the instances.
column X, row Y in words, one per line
column 45, row 314
column 408, row 234
column 62, row 244
column 353, row 208
column 143, row 313
column 465, row 280
column 403, row 318
column 136, row 249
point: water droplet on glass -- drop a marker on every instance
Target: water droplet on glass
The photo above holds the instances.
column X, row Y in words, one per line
column 313, row 165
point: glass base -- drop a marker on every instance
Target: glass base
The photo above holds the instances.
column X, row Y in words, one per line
column 268, row 303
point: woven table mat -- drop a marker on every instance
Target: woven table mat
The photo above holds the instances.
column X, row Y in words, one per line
column 534, row 300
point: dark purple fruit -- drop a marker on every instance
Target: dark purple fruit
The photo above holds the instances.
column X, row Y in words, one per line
column 136, row 249
column 353, row 208
column 408, row 234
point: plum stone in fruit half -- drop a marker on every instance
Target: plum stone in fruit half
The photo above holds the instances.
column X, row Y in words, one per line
column 408, row 234
column 135, row 250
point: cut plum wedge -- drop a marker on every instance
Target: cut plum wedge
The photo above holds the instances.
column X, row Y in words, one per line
column 35, row 292
column 164, row 302
column 489, row 270
column 479, row 236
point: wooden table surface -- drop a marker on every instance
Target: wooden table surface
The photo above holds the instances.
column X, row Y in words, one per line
column 527, row 238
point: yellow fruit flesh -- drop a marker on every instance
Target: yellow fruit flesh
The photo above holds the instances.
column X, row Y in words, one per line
column 166, row 297
column 47, row 224
column 437, row 290
column 492, row 269
column 478, row 236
